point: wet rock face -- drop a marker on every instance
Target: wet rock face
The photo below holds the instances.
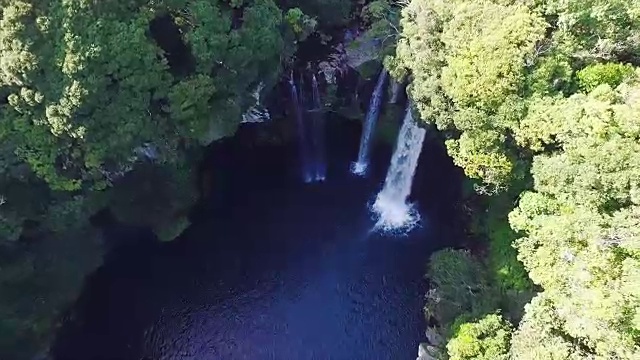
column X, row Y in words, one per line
column 433, row 337
column 345, row 62
column 427, row 352
column 257, row 113
column 430, row 350
column 329, row 70
column 362, row 51
column 350, row 55
column 348, row 48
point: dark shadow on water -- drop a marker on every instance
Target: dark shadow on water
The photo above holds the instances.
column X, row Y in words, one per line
column 283, row 271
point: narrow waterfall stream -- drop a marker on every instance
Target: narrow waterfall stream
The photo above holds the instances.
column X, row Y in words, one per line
column 318, row 133
column 303, row 142
column 310, row 128
column 360, row 166
column 391, row 205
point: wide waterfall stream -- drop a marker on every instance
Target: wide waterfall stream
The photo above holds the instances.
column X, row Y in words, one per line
column 274, row 268
column 391, row 206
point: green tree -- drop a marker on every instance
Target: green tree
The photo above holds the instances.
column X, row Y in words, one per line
column 542, row 96
column 459, row 286
column 329, row 13
column 229, row 63
column 485, row 339
column 74, row 75
column 382, row 19
column 486, row 49
column 86, row 84
column 577, row 245
column 539, row 335
column 468, row 63
column 301, row 24
column 102, row 104
column 595, row 30
column 612, row 74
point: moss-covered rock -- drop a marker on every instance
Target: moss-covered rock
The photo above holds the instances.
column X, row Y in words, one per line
column 389, row 124
column 369, row 69
column 155, row 196
column 350, row 112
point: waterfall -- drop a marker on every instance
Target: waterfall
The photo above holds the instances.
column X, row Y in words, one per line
column 316, row 94
column 391, row 206
column 318, row 134
column 310, row 125
column 302, row 138
column 302, row 104
column 360, row 166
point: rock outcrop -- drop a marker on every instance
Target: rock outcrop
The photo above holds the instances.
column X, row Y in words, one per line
column 427, row 352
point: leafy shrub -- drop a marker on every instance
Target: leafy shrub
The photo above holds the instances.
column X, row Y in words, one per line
column 612, row 74
column 459, row 285
column 485, row 339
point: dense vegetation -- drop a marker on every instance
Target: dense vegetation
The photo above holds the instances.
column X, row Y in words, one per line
column 540, row 101
column 106, row 104
column 87, row 86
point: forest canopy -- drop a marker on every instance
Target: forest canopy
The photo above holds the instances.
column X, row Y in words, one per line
column 85, row 87
column 107, row 105
column 540, row 101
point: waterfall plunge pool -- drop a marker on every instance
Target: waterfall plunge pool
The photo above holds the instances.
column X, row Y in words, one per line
column 283, row 270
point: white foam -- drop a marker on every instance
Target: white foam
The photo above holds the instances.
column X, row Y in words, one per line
column 392, row 208
column 359, row 168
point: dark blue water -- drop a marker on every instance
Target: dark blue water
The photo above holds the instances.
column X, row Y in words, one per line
column 284, row 271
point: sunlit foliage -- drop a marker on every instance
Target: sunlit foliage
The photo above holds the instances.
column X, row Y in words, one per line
column 85, row 84
column 543, row 96
column 485, row 339
column 101, row 102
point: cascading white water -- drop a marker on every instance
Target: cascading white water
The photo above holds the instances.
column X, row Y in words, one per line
column 302, row 138
column 360, row 166
column 391, row 206
column 319, row 161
